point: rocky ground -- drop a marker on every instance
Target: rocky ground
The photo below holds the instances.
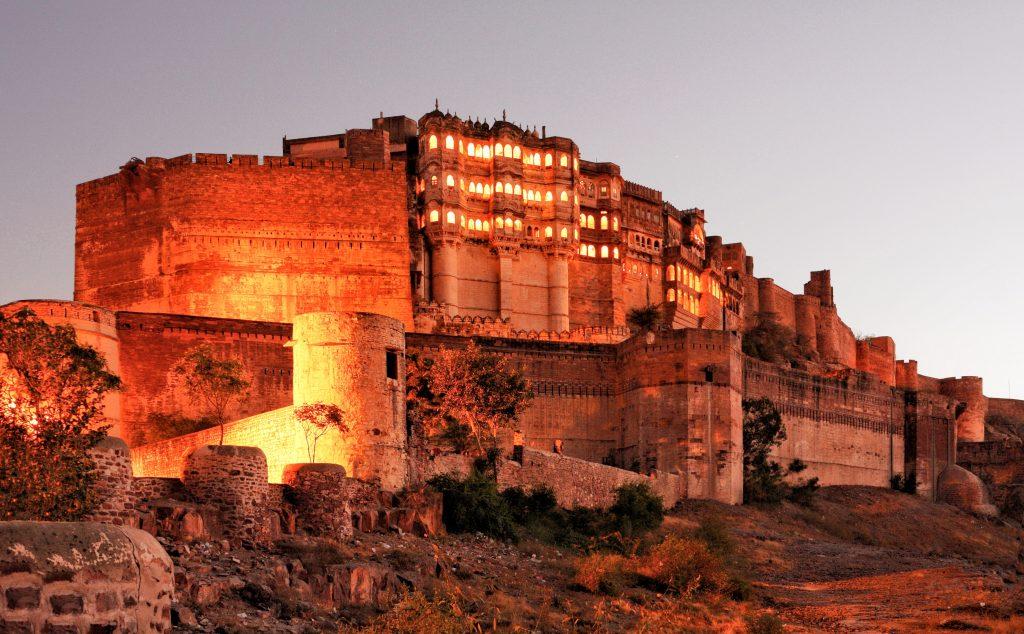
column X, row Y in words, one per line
column 859, row 559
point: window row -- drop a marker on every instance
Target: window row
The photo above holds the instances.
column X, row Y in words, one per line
column 684, row 275
column 591, row 251
column 587, row 221
column 645, row 242
column 507, row 150
column 688, row 302
column 506, row 223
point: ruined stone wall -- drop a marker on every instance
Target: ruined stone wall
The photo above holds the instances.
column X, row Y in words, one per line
column 83, row 577
column 153, row 343
column 999, row 464
column 233, row 480
column 245, row 240
column 113, row 486
column 848, row 431
column 929, row 438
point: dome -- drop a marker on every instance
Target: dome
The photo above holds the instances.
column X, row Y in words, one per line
column 964, row 490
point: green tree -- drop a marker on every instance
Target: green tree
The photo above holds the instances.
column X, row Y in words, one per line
column 644, row 319
column 316, row 419
column 764, row 479
column 215, row 384
column 466, row 395
column 51, row 404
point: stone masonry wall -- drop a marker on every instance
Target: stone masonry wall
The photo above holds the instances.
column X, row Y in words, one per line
column 113, row 486
column 234, row 481
column 79, row 577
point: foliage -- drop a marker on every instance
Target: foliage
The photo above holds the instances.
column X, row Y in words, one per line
column 765, row 623
column 684, row 566
column 637, row 508
column 163, row 425
column 773, row 342
column 51, row 402
column 316, row 419
column 1001, row 425
column 713, row 531
column 644, row 319
column 465, row 395
column 604, row 573
column 216, row 384
column 473, row 504
column 416, row 614
column 904, row 484
column 764, row 479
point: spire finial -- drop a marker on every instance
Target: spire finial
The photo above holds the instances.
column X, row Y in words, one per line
column 503, row 114
column 437, row 104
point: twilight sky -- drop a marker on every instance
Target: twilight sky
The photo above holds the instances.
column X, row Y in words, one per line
column 882, row 140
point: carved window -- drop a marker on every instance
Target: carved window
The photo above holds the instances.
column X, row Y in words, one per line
column 449, row 142
column 499, row 150
column 516, row 152
column 432, row 143
column 450, row 217
column 563, row 160
column 604, row 251
column 604, row 223
column 434, row 215
column 449, row 180
column 548, row 159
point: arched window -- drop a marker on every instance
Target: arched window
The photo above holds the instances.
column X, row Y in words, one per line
column 471, row 150
column 432, row 143
column 487, row 191
column 615, row 253
column 499, row 188
column 450, row 217
column 462, row 220
column 508, row 223
column 563, row 160
column 479, row 224
column 576, row 164
column 499, row 223
column 518, row 190
column 434, row 215
column 527, row 160
column 670, row 295
column 576, row 199
column 472, row 187
column 583, row 249
column 508, row 188
column 670, row 273
column 499, row 150
column 548, row 232
column 548, row 197
column 449, row 142
column 657, row 244
column 487, row 151
column 548, row 159
column 519, row 224
column 575, row 234
column 615, row 223
column 591, row 251
column 516, row 152
column 604, row 251
column 564, row 234
column 536, row 158
column 462, row 184
column 590, row 222
column 449, row 180
column 508, row 151
column 461, row 149
column 564, row 196
column 487, row 226
column 529, row 194
column 433, row 180
column 583, row 220
column 604, row 223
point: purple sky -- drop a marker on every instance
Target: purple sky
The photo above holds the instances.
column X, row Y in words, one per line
column 882, row 140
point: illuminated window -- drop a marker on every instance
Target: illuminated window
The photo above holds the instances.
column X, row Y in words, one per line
column 472, row 187
column 575, row 234
column 499, row 150
column 487, row 226
column 576, row 164
column 548, row 197
column 583, row 220
column 576, row 199
column 548, row 232
column 583, row 249
column 548, row 159
column 591, row 251
column 564, row 196
column 671, row 295
column 471, row 150
column 590, row 222
column 604, row 190
column 449, row 142
column 461, row 149
column 516, row 152
column 433, row 180
column 536, row 158
column 564, row 233
column 508, row 222
column 449, row 181
column 450, row 217
column 432, row 143
column 527, row 160
column 479, row 224
column 519, row 224
column 487, row 191
column 615, row 253
column 499, row 223
column 434, row 215
column 615, row 223
column 604, row 251
column 499, row 188
column 529, row 194
column 462, row 184
column 670, row 273
column 563, row 160
column 604, row 223
column 508, row 188
column 487, row 151
column 508, row 151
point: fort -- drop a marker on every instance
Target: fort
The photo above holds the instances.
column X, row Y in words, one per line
column 322, row 269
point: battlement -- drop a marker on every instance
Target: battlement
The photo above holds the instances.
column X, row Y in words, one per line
column 647, row 193
column 62, row 309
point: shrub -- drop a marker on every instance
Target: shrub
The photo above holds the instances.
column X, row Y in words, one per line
column 904, row 484
column 714, row 532
column 637, row 509
column 765, row 623
column 644, row 319
column 603, row 573
column 764, row 478
column 773, row 342
column 416, row 614
column 684, row 566
column 474, row 504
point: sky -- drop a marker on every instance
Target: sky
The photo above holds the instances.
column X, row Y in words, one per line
column 881, row 140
